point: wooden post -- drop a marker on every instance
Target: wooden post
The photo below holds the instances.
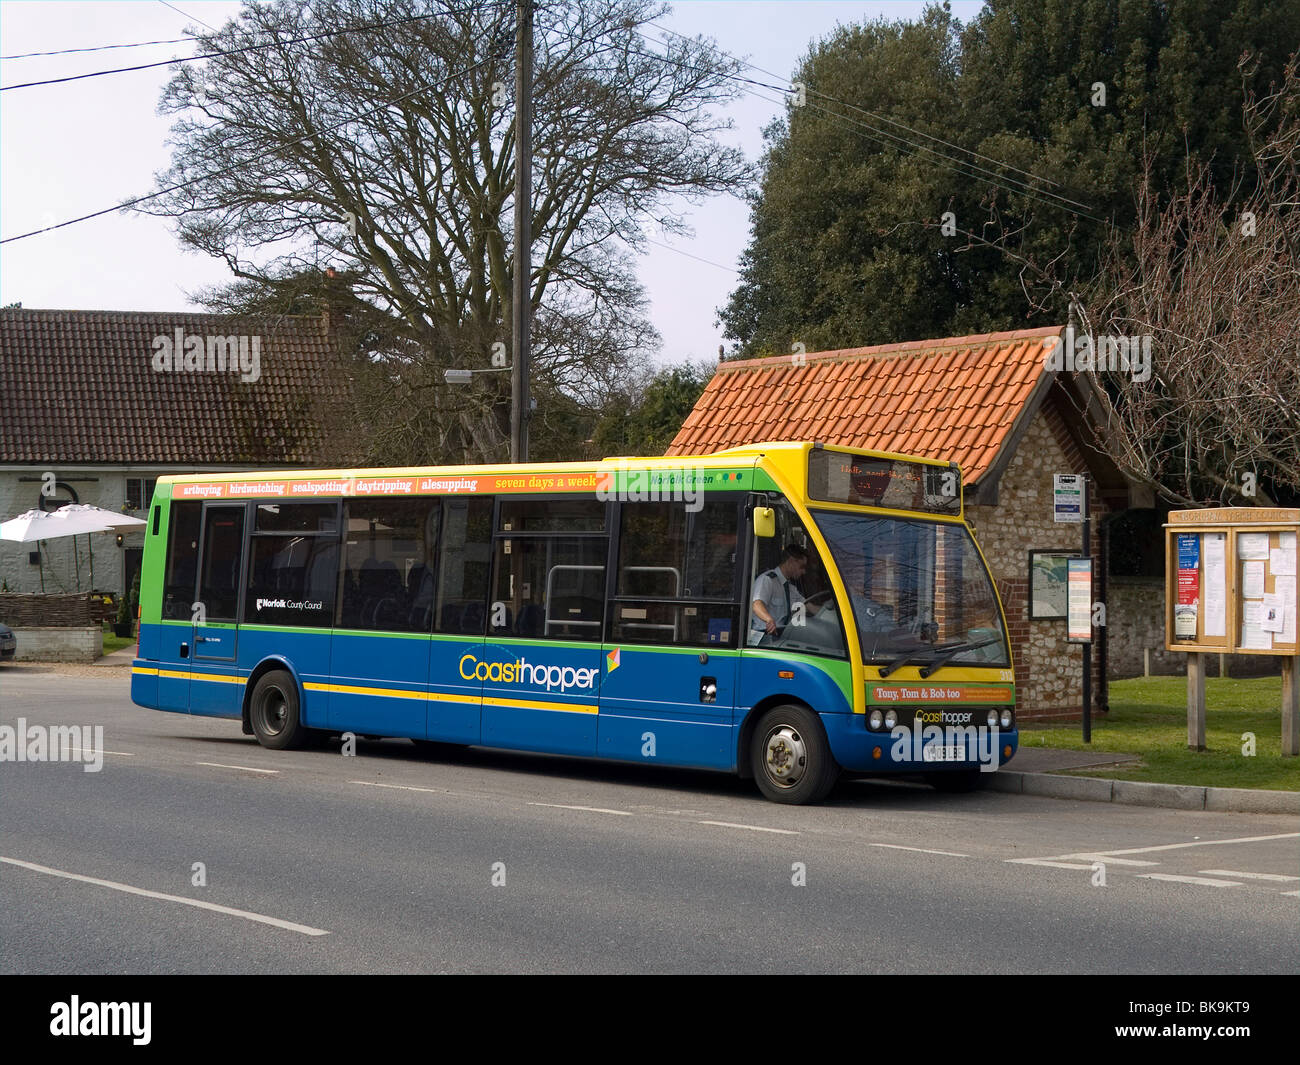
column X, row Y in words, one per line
column 1195, row 701
column 1290, row 706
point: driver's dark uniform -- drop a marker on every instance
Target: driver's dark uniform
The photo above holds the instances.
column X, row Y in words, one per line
column 779, row 595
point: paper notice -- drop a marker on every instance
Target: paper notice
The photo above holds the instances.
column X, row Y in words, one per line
column 1271, row 619
column 1285, row 591
column 1252, row 580
column 1252, row 628
column 1215, row 546
column 1282, row 562
column 1252, row 545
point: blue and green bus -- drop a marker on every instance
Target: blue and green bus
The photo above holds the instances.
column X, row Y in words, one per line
column 783, row 611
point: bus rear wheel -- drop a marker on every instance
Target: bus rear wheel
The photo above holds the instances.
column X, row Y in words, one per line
column 273, row 712
column 791, row 756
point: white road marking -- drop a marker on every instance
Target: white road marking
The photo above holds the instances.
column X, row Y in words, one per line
column 588, row 809
column 245, row 768
column 1205, row 880
column 1113, row 856
column 1048, row 862
column 399, row 787
column 248, row 916
column 1110, row 860
column 752, row 828
column 1198, row 843
column 1249, row 876
column 919, row 850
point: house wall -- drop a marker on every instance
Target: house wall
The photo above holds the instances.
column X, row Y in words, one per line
column 20, row 492
column 1135, row 609
column 1049, row 670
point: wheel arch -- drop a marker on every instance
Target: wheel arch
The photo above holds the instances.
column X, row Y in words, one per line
column 267, row 665
column 743, row 767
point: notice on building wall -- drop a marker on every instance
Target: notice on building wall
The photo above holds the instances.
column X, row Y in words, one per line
column 1216, row 584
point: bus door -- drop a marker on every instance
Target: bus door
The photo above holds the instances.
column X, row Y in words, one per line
column 541, row 663
column 459, row 607
column 216, row 688
column 379, row 652
column 668, row 693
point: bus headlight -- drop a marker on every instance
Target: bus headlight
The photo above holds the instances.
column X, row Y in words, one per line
column 1006, row 718
column 993, row 719
column 877, row 719
column 891, row 718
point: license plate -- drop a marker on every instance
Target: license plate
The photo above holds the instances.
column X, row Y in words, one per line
column 944, row 754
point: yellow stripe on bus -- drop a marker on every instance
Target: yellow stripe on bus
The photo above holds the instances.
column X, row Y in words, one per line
column 395, row 693
column 532, row 704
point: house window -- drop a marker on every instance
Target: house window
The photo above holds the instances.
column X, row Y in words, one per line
column 139, row 492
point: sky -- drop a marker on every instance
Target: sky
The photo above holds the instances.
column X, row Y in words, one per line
column 70, row 149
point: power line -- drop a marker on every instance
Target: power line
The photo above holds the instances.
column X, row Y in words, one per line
column 237, row 166
column 902, row 144
column 190, row 17
column 100, row 48
column 873, row 114
column 240, row 50
column 689, row 255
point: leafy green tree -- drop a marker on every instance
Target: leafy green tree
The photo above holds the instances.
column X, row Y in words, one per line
column 1045, row 110
column 643, row 419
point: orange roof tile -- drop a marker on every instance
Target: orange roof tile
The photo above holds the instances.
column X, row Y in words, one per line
column 954, row 399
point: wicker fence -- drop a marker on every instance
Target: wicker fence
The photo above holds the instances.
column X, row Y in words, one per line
column 26, row 611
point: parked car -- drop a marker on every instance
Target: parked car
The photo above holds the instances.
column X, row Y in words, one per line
column 8, row 643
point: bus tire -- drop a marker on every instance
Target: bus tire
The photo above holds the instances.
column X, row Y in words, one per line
column 274, row 712
column 954, row 783
column 791, row 757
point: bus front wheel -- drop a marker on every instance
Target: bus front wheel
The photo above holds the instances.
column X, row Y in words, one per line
column 274, row 714
column 791, row 756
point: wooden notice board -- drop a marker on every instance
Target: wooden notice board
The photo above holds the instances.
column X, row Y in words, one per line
column 1231, row 581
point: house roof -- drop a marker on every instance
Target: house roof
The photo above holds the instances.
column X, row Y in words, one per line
column 81, row 386
column 958, row 399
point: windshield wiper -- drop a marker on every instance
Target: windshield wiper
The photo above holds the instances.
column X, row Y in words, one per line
column 952, row 650
column 911, row 656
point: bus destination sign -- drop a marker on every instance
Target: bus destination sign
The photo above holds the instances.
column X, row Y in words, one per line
column 840, row 477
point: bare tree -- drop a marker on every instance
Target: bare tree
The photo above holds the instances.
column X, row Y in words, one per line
column 1213, row 278
column 388, row 152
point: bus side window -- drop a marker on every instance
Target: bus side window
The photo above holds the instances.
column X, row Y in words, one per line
column 182, row 561
column 460, row 602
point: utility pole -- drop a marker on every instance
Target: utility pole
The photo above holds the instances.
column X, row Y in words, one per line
column 520, row 402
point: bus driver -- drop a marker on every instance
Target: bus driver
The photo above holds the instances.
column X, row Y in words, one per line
column 775, row 595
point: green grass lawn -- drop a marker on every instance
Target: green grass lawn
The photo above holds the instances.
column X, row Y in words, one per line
column 1148, row 718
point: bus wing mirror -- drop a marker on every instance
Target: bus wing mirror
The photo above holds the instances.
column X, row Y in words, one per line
column 764, row 522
